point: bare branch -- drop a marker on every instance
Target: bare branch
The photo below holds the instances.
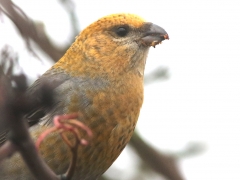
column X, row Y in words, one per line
column 19, row 137
column 70, row 8
column 30, row 30
column 159, row 162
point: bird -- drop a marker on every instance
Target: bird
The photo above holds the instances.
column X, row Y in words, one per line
column 100, row 76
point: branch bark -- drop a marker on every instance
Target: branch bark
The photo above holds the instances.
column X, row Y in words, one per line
column 19, row 139
column 159, row 162
column 30, row 30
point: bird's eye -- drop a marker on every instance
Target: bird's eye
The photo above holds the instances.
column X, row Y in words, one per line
column 122, row 31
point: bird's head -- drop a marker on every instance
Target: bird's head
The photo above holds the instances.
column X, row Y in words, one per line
column 117, row 43
column 126, row 29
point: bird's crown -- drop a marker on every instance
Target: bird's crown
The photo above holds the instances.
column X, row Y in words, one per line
column 112, row 20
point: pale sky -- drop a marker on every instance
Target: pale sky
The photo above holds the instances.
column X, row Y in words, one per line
column 200, row 102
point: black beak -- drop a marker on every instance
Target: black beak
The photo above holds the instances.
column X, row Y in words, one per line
column 154, row 35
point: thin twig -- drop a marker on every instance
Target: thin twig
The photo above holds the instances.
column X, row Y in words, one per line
column 63, row 124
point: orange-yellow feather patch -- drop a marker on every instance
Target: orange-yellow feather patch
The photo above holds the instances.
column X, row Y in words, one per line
column 73, row 61
column 112, row 20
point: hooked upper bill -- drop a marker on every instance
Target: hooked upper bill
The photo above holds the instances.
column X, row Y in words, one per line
column 154, row 36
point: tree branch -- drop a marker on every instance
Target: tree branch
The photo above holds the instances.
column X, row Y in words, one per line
column 19, row 138
column 159, row 162
column 30, row 30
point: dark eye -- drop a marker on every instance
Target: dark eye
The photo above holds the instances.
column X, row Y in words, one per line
column 122, row 31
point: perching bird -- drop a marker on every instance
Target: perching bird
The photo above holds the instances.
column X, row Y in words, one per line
column 101, row 77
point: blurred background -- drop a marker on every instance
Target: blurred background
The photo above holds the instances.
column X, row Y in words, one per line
column 190, row 116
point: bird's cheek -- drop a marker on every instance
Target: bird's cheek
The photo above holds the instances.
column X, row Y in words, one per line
column 99, row 48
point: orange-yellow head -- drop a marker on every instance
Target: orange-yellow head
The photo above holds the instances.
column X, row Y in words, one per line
column 117, row 43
